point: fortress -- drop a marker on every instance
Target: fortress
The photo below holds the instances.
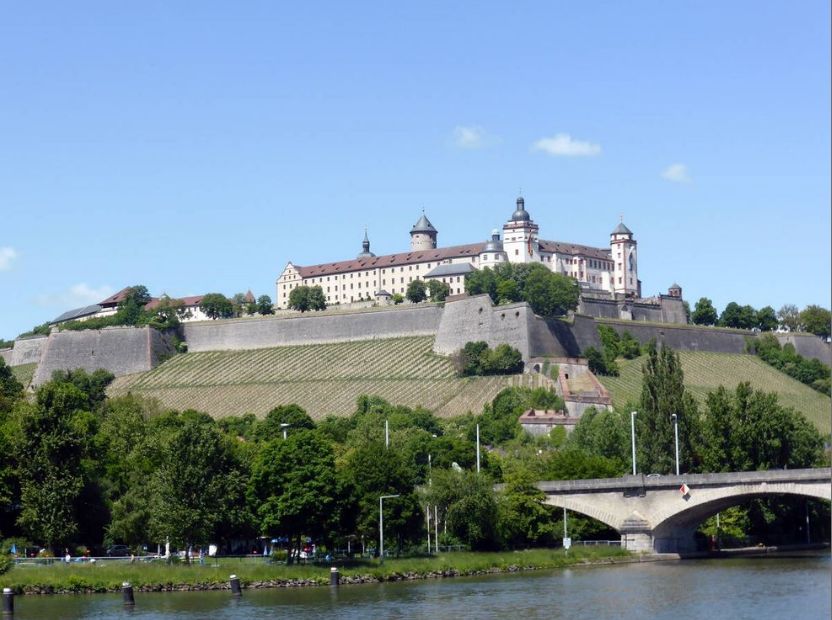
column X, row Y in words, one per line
column 608, row 276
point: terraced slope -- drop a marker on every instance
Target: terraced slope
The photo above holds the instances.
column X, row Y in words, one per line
column 323, row 379
column 704, row 372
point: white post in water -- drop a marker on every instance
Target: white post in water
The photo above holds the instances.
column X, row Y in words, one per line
column 478, row 448
column 633, row 435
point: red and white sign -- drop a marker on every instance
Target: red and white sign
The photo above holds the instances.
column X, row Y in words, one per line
column 684, row 489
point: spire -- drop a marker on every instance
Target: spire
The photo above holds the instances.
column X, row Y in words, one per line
column 365, row 247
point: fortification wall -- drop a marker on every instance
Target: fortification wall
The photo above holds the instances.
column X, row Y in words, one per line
column 476, row 318
column 667, row 310
column 119, row 350
column 809, row 346
column 313, row 329
column 27, row 350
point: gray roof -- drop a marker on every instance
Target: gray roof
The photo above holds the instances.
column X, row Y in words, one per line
column 450, row 269
column 383, row 293
column 423, row 225
column 674, row 285
column 520, row 214
column 622, row 230
column 77, row 313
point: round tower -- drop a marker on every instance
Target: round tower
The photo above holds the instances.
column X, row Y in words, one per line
column 423, row 235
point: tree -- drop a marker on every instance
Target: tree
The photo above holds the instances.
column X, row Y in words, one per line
column 662, row 395
column 508, row 292
column 304, row 298
column 193, row 484
column 416, row 292
column 216, row 306
column 766, row 319
column 738, row 317
column 293, row 485
column 602, row 433
column 789, row 317
column 466, row 501
column 524, row 519
column 550, row 294
column 317, row 299
column 11, row 389
column 49, row 451
column 438, row 290
column 816, row 320
column 272, row 426
column 264, row 305
column 168, row 312
column 704, row 312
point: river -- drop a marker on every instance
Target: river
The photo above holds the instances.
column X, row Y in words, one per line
column 759, row 588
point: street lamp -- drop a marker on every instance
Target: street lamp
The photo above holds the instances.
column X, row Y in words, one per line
column 284, row 426
column 675, row 419
column 633, row 435
column 381, row 523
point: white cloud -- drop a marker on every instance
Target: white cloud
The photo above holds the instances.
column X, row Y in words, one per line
column 470, row 137
column 7, row 255
column 677, row 173
column 75, row 296
column 563, row 145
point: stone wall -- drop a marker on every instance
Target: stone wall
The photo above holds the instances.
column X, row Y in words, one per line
column 119, row 350
column 312, row 329
column 476, row 318
column 809, row 346
column 666, row 310
column 27, row 351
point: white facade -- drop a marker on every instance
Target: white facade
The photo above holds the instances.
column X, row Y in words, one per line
column 613, row 270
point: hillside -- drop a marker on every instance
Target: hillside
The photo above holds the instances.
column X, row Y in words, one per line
column 323, row 379
column 704, row 372
column 24, row 373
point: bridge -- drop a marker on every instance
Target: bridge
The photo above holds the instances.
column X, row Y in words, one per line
column 661, row 513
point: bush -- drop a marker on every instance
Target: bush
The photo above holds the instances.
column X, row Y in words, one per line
column 477, row 359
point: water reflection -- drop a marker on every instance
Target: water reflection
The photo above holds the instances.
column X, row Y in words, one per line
column 760, row 588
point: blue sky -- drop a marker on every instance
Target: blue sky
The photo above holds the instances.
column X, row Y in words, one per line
column 198, row 146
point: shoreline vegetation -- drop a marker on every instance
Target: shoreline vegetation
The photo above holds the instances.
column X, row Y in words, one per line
column 256, row 573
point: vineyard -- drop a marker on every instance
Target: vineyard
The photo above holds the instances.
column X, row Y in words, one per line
column 323, row 379
column 24, row 373
column 704, row 372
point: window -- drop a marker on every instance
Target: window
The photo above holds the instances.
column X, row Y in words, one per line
column 516, row 252
column 619, row 280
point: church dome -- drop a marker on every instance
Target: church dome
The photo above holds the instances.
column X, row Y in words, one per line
column 520, row 214
column 494, row 244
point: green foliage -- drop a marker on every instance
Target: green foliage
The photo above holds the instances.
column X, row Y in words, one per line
column 766, row 319
column 704, row 312
column 750, row 430
column 663, row 395
column 396, row 298
column 602, row 433
column 601, row 363
column 816, row 320
column 216, row 306
column 738, row 317
column 467, row 502
column 416, row 291
column 812, row 372
column 548, row 293
column 438, row 291
column 264, row 305
column 788, row 317
column 290, row 418
column 11, row 390
column 305, row 298
column 477, row 359
column 524, row 520
column 499, row 420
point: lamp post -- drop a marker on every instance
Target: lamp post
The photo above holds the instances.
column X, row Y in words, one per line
column 284, row 426
column 478, row 448
column 633, row 436
column 381, row 524
column 675, row 419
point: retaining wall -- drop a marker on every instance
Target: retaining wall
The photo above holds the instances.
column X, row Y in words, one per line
column 119, row 350
column 27, row 351
column 313, row 329
column 476, row 318
column 809, row 346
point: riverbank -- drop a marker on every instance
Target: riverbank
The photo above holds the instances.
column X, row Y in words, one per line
column 256, row 573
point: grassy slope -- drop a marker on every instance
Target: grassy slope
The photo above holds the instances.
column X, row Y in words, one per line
column 24, row 373
column 705, row 372
column 323, row 379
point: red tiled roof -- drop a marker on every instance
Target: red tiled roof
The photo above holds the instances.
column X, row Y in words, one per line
column 391, row 260
column 193, row 300
column 575, row 249
column 115, row 298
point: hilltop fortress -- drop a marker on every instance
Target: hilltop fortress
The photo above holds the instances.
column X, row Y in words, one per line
column 608, row 276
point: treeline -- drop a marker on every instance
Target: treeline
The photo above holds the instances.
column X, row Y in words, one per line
column 548, row 293
column 78, row 468
column 813, row 319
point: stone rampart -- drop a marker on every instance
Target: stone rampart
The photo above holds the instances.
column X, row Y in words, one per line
column 476, row 318
column 313, row 329
column 808, row 345
column 119, row 350
column 27, row 351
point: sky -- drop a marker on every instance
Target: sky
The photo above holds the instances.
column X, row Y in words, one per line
column 197, row 147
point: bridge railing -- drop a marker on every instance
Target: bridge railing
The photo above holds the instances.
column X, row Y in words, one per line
column 597, row 543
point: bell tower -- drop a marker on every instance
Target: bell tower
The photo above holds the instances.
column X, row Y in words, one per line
column 520, row 236
column 624, row 253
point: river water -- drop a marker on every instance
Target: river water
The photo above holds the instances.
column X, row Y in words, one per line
column 755, row 588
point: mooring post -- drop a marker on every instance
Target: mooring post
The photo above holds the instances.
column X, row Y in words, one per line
column 127, row 593
column 235, row 585
column 334, row 577
column 8, row 602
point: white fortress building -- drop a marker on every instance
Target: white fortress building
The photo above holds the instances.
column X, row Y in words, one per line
column 608, row 273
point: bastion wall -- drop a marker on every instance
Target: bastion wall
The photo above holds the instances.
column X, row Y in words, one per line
column 119, row 350
column 312, row 329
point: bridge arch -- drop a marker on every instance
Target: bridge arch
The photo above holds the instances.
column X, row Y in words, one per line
column 587, row 507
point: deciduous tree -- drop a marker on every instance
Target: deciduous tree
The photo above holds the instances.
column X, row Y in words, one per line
column 704, row 312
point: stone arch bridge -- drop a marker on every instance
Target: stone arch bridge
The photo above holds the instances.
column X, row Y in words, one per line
column 660, row 514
